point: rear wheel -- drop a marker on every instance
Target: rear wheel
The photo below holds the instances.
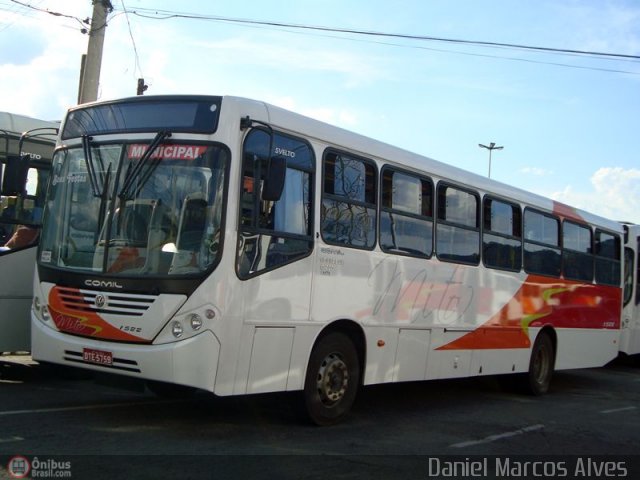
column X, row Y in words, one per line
column 332, row 380
column 541, row 366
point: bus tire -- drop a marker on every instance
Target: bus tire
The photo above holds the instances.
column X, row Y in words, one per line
column 332, row 379
column 541, row 365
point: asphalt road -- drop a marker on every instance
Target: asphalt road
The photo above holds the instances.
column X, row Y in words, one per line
column 395, row 431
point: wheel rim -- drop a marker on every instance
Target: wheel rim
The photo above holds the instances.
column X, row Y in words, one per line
column 332, row 380
column 541, row 366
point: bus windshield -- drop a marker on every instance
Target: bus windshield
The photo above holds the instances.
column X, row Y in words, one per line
column 134, row 209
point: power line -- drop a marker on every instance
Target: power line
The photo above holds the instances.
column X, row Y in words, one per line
column 466, row 53
column 255, row 24
column 55, row 14
column 83, row 22
column 168, row 14
column 12, row 10
column 133, row 41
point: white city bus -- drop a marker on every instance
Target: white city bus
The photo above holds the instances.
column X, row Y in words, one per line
column 26, row 148
column 229, row 245
column 630, row 333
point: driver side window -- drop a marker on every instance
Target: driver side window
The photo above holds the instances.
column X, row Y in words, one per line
column 274, row 233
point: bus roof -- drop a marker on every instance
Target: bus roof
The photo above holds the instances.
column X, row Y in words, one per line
column 368, row 147
column 38, row 144
column 14, row 123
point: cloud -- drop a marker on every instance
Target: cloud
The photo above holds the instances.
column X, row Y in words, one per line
column 292, row 58
column 615, row 194
column 44, row 82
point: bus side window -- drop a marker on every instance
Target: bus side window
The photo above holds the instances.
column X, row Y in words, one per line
column 577, row 257
column 628, row 276
column 348, row 214
column 607, row 258
column 542, row 254
column 458, row 229
column 274, row 233
column 406, row 217
column 502, row 236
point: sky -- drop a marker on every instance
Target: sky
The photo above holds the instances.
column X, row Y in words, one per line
column 568, row 122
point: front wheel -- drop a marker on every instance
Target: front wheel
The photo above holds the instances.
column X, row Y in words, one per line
column 333, row 377
column 541, row 365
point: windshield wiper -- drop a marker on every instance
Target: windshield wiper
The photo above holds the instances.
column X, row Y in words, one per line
column 125, row 191
column 88, row 159
column 104, row 200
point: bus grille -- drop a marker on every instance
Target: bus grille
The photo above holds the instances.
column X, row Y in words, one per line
column 133, row 305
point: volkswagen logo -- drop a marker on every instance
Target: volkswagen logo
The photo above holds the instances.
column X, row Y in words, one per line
column 101, row 301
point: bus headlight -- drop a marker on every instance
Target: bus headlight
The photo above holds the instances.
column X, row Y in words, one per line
column 196, row 321
column 188, row 324
column 36, row 304
column 176, row 329
column 41, row 311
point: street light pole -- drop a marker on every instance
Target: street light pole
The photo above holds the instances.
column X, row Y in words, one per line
column 490, row 147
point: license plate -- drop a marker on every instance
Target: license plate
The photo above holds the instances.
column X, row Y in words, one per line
column 99, row 357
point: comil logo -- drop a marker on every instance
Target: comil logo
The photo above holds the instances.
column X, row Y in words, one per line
column 19, row 467
column 101, row 301
column 102, row 283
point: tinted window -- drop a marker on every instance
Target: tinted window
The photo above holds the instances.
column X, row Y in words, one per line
column 502, row 238
column 406, row 226
column 577, row 262
column 628, row 275
column 576, row 237
column 195, row 114
column 542, row 254
column 458, row 232
column 349, row 201
column 607, row 261
column 457, row 206
column 274, row 233
column 541, row 228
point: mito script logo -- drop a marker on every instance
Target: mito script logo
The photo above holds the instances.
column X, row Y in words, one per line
column 21, row 467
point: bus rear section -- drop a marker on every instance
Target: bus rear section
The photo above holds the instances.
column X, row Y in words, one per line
column 630, row 333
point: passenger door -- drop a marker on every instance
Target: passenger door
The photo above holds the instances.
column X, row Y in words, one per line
column 273, row 258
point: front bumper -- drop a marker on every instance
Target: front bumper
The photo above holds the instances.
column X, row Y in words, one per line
column 192, row 362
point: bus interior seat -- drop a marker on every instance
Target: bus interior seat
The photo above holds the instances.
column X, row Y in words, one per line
column 193, row 219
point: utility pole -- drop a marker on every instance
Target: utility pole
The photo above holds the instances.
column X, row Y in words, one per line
column 92, row 61
column 490, row 147
column 142, row 87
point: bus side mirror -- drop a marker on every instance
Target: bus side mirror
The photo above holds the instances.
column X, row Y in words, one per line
column 274, row 181
column 15, row 176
